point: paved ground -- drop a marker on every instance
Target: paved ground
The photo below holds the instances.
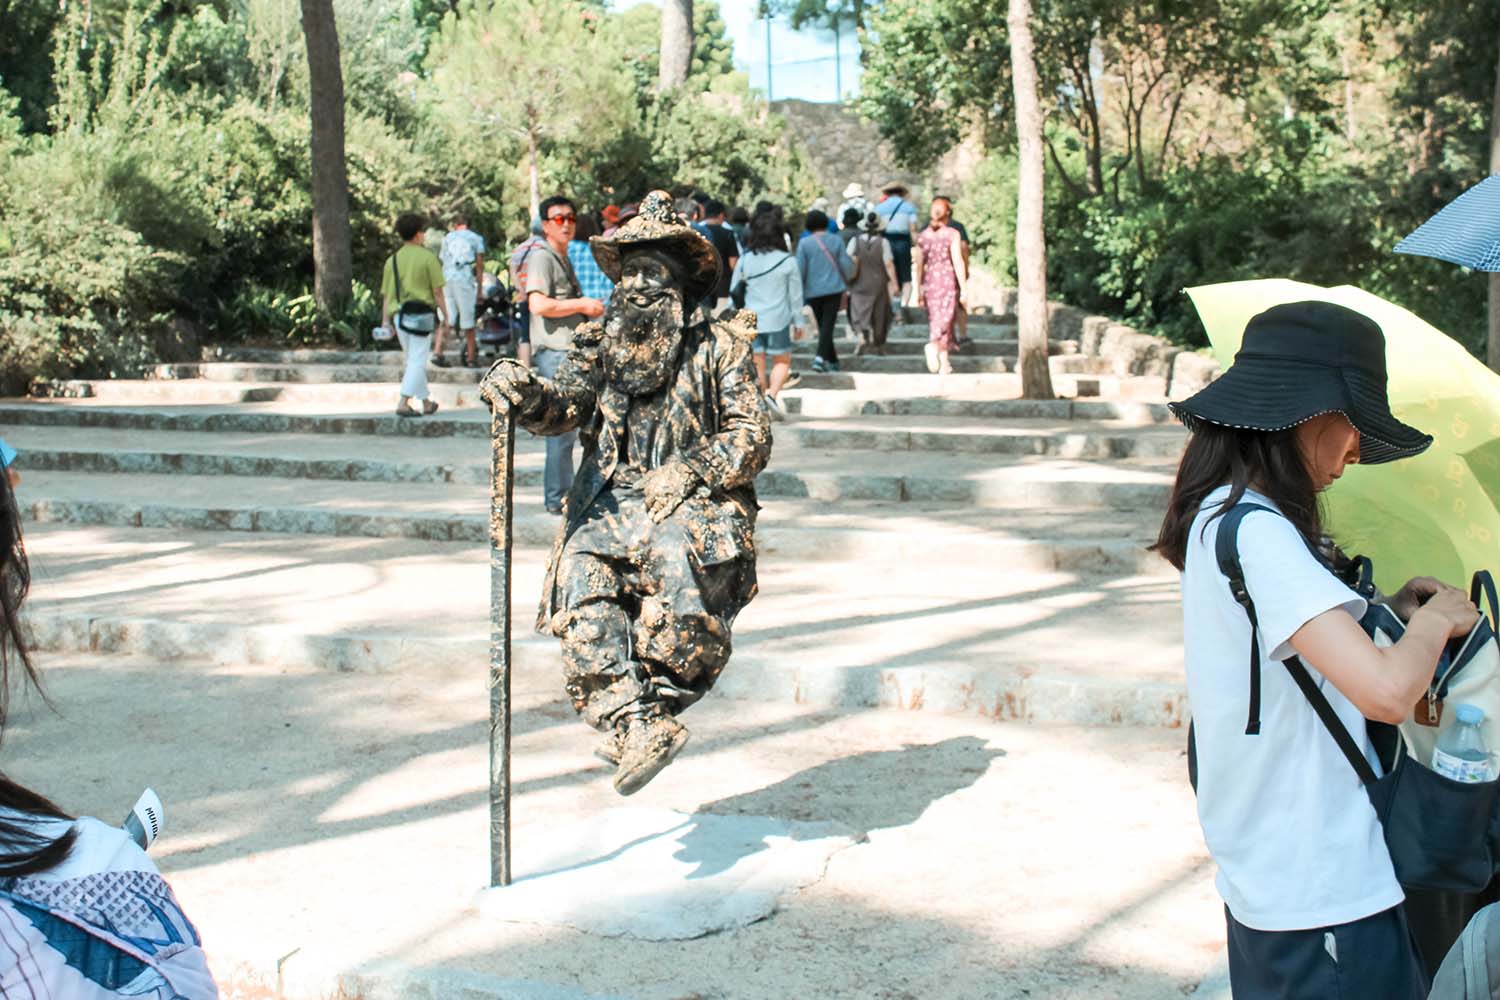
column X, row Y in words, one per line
column 259, row 592
column 341, row 818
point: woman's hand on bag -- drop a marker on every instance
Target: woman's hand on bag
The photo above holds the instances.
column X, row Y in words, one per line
column 1414, row 594
column 1454, row 606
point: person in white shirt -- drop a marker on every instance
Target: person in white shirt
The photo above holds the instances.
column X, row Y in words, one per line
column 462, row 257
column 1312, row 905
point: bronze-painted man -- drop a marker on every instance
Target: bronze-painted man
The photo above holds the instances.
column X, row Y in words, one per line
column 656, row 555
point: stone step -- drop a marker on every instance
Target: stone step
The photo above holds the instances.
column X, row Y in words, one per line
column 196, row 391
column 310, row 374
column 945, row 434
column 971, row 475
column 906, row 346
column 819, row 404
column 278, row 417
column 1099, row 543
column 936, row 637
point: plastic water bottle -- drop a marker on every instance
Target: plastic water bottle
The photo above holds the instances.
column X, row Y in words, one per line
column 1461, row 753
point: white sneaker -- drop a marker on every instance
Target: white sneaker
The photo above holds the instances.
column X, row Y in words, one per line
column 930, row 349
column 775, row 410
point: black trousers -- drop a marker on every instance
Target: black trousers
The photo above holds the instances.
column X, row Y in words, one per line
column 1373, row 958
column 826, row 311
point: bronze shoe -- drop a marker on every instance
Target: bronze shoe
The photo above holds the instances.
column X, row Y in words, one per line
column 649, row 745
column 609, row 748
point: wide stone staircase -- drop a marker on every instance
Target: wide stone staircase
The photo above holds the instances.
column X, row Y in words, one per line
column 925, row 542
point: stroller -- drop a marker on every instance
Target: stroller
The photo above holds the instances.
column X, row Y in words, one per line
column 497, row 321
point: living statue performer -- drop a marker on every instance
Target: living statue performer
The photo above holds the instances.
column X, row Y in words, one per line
column 656, row 554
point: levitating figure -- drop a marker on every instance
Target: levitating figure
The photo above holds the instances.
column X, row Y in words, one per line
column 656, row 554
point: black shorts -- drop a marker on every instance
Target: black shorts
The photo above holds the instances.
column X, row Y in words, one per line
column 1373, row 958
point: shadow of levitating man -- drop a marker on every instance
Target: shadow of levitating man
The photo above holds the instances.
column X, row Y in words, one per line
column 656, row 554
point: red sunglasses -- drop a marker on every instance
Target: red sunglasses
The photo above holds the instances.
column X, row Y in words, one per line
column 562, row 220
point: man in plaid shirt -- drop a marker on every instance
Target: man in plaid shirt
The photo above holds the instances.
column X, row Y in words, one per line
column 592, row 283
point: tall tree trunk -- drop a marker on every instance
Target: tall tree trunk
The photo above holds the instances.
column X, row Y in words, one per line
column 1494, row 338
column 332, row 270
column 1031, row 240
column 676, row 43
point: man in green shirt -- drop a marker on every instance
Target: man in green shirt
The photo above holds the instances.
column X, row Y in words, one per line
column 410, row 294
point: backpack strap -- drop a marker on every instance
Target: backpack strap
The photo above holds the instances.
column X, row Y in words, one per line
column 1227, row 553
column 1331, row 721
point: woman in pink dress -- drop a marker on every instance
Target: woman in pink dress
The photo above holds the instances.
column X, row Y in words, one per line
column 938, row 274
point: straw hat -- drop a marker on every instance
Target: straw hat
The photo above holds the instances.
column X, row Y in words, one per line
column 854, row 191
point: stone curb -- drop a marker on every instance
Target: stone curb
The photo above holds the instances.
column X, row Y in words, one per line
column 993, row 691
column 982, row 494
column 798, row 401
column 1093, row 558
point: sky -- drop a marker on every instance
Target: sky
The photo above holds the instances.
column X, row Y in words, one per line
column 803, row 63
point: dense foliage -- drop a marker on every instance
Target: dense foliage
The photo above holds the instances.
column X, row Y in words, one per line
column 154, row 154
column 1195, row 141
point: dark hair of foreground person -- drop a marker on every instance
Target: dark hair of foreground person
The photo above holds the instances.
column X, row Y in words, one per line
column 22, row 852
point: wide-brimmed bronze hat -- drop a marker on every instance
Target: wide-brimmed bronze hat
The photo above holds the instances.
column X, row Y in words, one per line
column 656, row 227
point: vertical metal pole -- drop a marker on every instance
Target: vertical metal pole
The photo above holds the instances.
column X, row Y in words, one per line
column 502, row 464
column 769, row 94
column 838, row 67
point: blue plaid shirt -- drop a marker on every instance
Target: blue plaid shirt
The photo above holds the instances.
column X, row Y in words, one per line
column 592, row 284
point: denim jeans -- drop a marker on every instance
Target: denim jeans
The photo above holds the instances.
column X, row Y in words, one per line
column 557, row 477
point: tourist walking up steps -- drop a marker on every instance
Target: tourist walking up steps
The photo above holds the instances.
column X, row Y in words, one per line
column 557, row 308
column 1312, row 904
column 412, row 304
column 462, row 256
column 592, row 281
column 825, row 271
column 873, row 287
column 938, row 273
column 899, row 217
column 773, row 289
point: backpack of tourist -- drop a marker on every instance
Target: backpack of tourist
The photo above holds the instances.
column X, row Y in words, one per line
column 1471, row 971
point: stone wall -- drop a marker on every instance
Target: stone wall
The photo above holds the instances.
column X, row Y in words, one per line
column 842, row 148
column 1118, row 349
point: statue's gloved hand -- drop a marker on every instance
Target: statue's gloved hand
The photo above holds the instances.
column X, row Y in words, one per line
column 665, row 488
column 509, row 382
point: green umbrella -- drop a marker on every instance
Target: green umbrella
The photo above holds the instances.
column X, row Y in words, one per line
column 1435, row 514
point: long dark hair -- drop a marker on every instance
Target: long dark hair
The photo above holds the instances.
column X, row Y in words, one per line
column 22, row 850
column 1267, row 461
column 767, row 232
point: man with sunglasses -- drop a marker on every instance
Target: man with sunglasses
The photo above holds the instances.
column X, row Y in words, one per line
column 557, row 308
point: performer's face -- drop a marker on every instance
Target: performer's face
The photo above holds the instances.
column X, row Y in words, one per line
column 644, row 324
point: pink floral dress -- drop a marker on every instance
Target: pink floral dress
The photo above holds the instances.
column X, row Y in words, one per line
column 939, row 284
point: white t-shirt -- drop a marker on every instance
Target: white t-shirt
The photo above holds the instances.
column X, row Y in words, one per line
column 1285, row 817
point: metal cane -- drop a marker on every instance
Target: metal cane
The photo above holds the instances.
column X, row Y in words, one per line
column 502, row 468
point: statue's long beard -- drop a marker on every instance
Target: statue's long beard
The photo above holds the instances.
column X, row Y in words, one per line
column 643, row 338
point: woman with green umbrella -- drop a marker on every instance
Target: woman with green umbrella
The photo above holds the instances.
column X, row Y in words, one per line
column 1312, row 905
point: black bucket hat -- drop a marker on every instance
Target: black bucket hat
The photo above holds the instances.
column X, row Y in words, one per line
column 1298, row 361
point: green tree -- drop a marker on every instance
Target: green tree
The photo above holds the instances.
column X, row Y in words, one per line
column 534, row 68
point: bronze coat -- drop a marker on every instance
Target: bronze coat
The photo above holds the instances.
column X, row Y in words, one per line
column 715, row 424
